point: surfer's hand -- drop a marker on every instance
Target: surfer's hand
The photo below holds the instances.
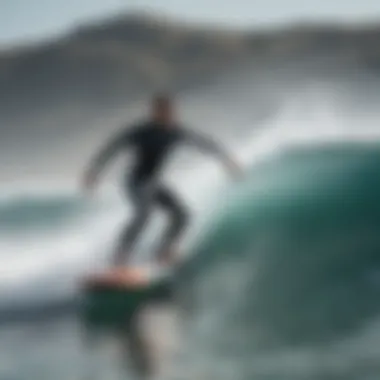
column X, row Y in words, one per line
column 89, row 183
column 235, row 170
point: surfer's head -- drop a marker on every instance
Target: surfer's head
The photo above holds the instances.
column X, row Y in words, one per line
column 162, row 109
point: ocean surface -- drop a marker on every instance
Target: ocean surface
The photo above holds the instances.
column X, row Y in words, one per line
column 282, row 273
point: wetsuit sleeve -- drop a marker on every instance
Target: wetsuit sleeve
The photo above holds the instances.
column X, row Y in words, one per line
column 119, row 141
column 204, row 143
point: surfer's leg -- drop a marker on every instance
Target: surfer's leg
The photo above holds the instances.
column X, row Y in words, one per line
column 141, row 197
column 178, row 222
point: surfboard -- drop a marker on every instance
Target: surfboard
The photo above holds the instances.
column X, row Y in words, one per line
column 127, row 277
column 113, row 297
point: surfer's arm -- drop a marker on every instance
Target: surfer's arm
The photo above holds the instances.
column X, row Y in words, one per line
column 105, row 155
column 208, row 145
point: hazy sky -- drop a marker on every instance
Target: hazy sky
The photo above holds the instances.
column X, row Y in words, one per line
column 22, row 20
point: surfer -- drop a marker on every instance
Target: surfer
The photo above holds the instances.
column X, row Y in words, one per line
column 153, row 141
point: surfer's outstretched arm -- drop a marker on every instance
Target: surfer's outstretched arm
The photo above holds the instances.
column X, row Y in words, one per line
column 209, row 145
column 104, row 156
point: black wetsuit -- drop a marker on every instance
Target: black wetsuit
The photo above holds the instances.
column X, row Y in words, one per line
column 152, row 144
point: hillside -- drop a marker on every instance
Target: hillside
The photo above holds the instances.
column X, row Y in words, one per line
column 100, row 67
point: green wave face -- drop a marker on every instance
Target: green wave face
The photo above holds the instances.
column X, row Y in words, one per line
column 294, row 253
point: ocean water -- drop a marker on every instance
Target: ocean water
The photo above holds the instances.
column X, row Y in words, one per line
column 285, row 284
column 281, row 281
